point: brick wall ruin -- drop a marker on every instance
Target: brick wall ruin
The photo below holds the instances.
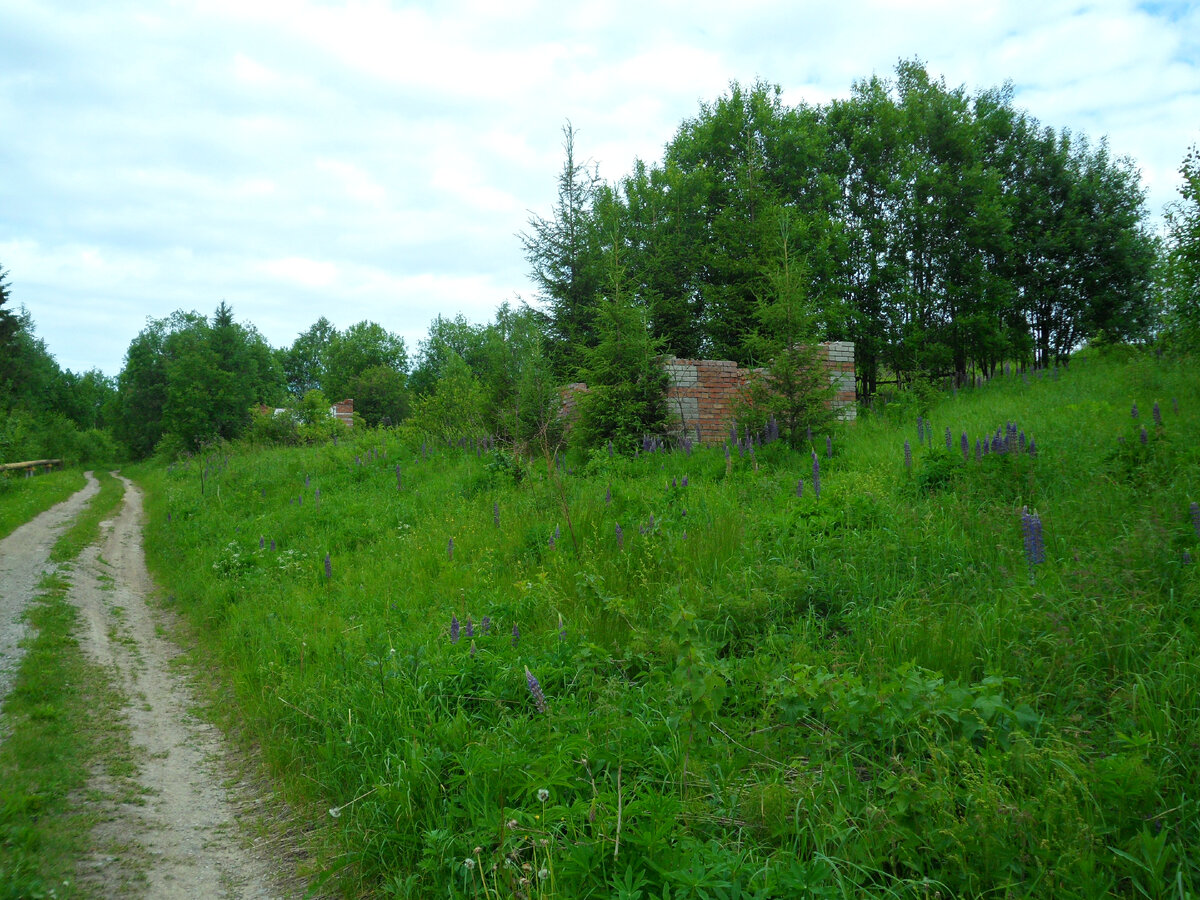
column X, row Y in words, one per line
column 703, row 392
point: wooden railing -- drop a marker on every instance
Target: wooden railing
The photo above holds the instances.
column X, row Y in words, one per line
column 31, row 464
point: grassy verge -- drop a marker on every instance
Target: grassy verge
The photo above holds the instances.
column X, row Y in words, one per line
column 709, row 681
column 61, row 728
column 23, row 498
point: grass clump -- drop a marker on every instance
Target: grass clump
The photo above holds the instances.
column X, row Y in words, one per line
column 741, row 689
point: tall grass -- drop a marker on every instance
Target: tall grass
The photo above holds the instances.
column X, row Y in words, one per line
column 23, row 497
column 753, row 693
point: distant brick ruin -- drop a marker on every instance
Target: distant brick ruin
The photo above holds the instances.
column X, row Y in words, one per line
column 702, row 392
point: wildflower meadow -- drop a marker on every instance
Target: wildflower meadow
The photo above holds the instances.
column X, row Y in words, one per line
column 962, row 662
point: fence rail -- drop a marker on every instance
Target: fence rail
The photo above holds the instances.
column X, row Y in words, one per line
column 31, row 464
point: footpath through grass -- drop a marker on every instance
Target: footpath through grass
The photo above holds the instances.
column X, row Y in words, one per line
column 22, row 498
column 673, row 676
column 60, row 728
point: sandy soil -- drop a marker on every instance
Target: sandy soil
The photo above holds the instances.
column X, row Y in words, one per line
column 173, row 830
column 23, row 561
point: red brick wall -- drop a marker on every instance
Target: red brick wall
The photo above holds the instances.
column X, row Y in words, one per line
column 703, row 391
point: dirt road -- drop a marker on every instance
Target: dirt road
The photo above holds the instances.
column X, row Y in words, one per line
column 24, row 558
column 180, row 837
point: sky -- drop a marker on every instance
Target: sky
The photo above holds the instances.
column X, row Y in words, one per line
column 378, row 161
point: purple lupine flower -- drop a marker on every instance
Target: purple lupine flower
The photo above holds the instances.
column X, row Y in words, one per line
column 1143, row 437
column 1133, row 412
column 684, row 483
column 1195, row 511
column 516, row 635
column 726, row 453
column 562, row 628
column 674, row 483
column 328, row 564
column 1157, row 413
column 816, row 476
column 469, row 628
column 800, row 487
column 450, row 549
column 485, row 624
column 306, row 481
column 557, row 534
column 828, row 446
column 620, row 538
column 1032, row 448
column 535, row 690
column 965, row 443
column 1031, row 528
column 300, row 500
column 907, row 456
column 261, row 542
column 949, row 440
column 317, row 496
column 1021, row 441
column 273, row 548
column 920, row 430
column 551, row 542
column 496, row 513
column 809, row 431
column 608, row 495
column 472, row 650
column 263, row 493
column 454, row 628
column 1187, row 558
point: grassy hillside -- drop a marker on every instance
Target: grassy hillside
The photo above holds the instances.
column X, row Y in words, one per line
column 746, row 692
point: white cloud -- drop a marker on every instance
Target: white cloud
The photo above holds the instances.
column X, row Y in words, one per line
column 369, row 159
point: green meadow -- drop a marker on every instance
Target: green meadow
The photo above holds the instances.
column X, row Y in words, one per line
column 682, row 675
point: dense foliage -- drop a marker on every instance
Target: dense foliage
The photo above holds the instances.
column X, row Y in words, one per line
column 47, row 412
column 942, row 232
column 669, row 675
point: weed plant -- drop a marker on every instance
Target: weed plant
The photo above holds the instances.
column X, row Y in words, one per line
column 677, row 675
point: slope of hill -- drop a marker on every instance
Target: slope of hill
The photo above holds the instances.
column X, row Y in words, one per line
column 977, row 675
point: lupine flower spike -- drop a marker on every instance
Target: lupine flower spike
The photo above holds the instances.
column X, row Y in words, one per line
column 328, row 564
column 485, row 624
column 470, row 628
column 1134, row 411
column 1195, row 511
column 496, row 513
column 1157, row 413
column 816, row 476
column 535, row 690
column 516, row 635
column 908, row 456
column 450, row 549
column 454, row 628
column 620, row 538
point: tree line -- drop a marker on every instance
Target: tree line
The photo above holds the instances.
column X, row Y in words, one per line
column 944, row 232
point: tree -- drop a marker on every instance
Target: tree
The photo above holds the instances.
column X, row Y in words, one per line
column 358, row 348
column 1181, row 316
column 304, row 363
column 795, row 388
column 565, row 259
column 380, row 396
column 195, row 380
